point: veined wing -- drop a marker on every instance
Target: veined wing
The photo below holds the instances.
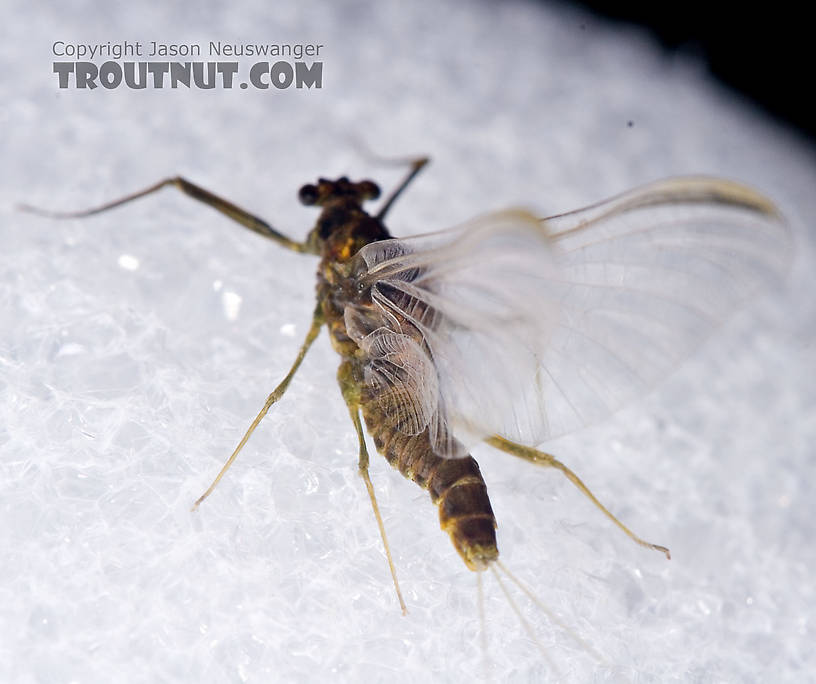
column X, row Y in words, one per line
column 530, row 328
column 459, row 317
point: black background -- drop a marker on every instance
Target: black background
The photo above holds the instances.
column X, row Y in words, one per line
column 765, row 51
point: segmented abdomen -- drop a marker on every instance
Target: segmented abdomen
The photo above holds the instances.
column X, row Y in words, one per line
column 455, row 485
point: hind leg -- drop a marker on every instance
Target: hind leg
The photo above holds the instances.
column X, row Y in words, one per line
column 542, row 459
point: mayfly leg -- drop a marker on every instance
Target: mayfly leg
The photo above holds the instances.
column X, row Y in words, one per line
column 236, row 213
column 277, row 393
column 416, row 166
column 247, row 220
column 351, row 394
column 542, row 459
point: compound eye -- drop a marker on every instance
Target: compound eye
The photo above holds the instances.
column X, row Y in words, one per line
column 308, row 194
column 369, row 190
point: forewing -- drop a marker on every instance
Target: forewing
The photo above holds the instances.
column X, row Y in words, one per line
column 535, row 327
column 645, row 278
column 476, row 300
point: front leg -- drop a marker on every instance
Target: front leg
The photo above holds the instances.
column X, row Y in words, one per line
column 233, row 211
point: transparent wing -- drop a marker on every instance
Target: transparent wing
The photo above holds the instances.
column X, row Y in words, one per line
column 467, row 306
column 530, row 328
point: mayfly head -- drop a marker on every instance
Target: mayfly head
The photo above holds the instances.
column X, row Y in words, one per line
column 343, row 226
column 340, row 190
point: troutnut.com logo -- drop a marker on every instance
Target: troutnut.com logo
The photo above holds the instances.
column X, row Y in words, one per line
column 112, row 65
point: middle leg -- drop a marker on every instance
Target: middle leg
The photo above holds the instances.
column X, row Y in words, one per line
column 277, row 393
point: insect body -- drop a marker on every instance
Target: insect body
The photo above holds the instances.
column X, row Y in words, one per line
column 379, row 370
column 511, row 329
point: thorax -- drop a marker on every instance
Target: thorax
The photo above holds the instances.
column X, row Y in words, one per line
column 347, row 229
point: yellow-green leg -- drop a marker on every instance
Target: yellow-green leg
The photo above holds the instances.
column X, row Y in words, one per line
column 542, row 459
column 236, row 213
column 351, row 393
column 314, row 329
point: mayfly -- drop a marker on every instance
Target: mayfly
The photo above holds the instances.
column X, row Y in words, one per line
column 510, row 329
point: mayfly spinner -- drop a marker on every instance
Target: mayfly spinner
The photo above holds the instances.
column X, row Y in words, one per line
column 511, row 329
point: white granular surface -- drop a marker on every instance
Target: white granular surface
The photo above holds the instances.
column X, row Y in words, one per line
column 136, row 346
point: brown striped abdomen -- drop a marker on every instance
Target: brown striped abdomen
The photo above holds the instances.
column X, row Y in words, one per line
column 455, row 485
